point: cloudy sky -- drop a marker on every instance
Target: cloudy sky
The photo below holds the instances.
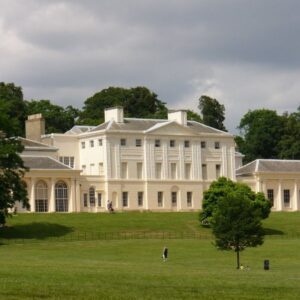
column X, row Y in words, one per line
column 244, row 53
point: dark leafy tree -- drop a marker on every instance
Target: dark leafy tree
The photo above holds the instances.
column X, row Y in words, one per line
column 261, row 131
column 213, row 113
column 137, row 102
column 191, row 115
column 58, row 119
column 236, row 223
column 289, row 145
column 12, row 187
column 12, row 109
column 220, row 189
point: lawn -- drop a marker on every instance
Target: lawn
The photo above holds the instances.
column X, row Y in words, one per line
column 45, row 268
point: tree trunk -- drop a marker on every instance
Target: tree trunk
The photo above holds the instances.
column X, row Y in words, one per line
column 237, row 257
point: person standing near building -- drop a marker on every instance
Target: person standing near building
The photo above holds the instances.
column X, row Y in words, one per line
column 165, row 254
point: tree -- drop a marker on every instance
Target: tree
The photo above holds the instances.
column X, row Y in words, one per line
column 289, row 145
column 213, row 113
column 12, row 109
column 191, row 115
column 58, row 119
column 220, row 189
column 236, row 223
column 261, row 131
column 137, row 102
column 12, row 187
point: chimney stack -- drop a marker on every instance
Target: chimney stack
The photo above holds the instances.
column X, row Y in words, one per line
column 114, row 113
column 180, row 116
column 35, row 127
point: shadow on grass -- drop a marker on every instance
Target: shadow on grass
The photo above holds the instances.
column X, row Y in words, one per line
column 270, row 231
column 35, row 230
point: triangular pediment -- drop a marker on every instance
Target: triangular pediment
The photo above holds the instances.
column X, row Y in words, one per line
column 171, row 128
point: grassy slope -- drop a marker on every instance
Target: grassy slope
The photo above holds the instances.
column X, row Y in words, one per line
column 132, row 269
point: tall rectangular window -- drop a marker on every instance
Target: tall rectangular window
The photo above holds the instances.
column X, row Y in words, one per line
column 160, row 199
column 123, row 142
column 158, row 170
column 138, row 143
column 124, row 171
column 125, row 199
column 203, row 144
column 187, row 171
column 92, row 169
column 172, row 143
column 82, row 145
column 83, row 167
column 218, row 171
column 85, row 199
column 91, row 143
column 101, row 169
column 99, row 199
column 270, row 196
column 286, row 198
column 140, row 198
column 157, row 143
column 139, row 170
column 189, row 199
column 100, row 143
column 186, row 144
column 173, row 171
column 174, row 198
column 217, row 145
column 204, row 171
column 72, row 162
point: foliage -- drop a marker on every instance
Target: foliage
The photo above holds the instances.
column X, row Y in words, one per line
column 236, row 223
column 220, row 189
column 191, row 115
column 12, row 108
column 261, row 131
column 12, row 188
column 289, row 145
column 138, row 102
column 213, row 113
column 58, row 119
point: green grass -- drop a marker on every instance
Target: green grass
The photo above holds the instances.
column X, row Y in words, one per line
column 133, row 269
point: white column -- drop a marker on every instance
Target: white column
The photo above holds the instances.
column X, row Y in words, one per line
column 296, row 196
column 107, row 161
column 77, row 196
column 71, row 195
column 52, row 195
column 165, row 161
column 196, row 161
column 258, row 185
column 279, row 196
column 232, row 165
column 224, row 161
column 117, row 161
column 181, row 166
column 32, row 195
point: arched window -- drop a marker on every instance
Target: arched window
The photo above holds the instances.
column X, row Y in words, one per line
column 92, row 196
column 41, row 197
column 61, row 196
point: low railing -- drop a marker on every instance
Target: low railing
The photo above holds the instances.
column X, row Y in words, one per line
column 105, row 236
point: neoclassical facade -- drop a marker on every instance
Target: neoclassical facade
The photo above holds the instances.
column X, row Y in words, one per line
column 138, row 164
column 279, row 180
column 143, row 164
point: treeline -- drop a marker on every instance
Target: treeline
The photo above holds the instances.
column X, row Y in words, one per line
column 262, row 132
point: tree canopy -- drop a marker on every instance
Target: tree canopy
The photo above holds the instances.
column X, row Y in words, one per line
column 236, row 223
column 12, row 109
column 220, row 189
column 58, row 119
column 12, row 187
column 213, row 113
column 137, row 102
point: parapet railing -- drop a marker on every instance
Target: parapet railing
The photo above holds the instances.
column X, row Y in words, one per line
column 107, row 236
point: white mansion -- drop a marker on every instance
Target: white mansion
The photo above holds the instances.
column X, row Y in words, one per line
column 139, row 164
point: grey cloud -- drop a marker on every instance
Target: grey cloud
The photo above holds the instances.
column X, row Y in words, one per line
column 245, row 53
